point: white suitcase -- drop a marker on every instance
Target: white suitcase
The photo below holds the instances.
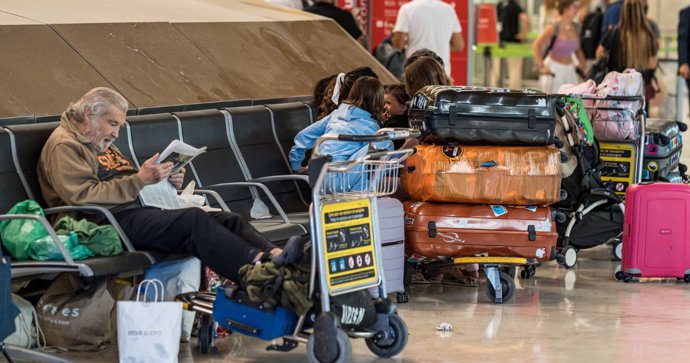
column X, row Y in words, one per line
column 392, row 235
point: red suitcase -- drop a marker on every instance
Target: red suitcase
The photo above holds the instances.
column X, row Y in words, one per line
column 656, row 240
column 466, row 230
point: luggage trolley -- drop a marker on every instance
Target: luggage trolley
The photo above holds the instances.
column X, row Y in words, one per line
column 622, row 157
column 345, row 257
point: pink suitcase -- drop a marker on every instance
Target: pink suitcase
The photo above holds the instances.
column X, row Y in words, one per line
column 656, row 237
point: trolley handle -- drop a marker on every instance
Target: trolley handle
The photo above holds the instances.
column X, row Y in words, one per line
column 362, row 138
column 384, row 134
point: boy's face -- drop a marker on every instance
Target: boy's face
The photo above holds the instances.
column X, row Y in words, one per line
column 393, row 107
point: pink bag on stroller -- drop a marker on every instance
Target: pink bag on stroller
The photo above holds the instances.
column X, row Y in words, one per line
column 615, row 119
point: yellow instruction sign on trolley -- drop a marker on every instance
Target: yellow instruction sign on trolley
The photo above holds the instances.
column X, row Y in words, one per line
column 349, row 245
column 619, row 165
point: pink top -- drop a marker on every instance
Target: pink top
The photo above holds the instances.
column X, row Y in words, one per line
column 564, row 47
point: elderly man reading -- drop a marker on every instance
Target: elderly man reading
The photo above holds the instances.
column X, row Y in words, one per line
column 80, row 165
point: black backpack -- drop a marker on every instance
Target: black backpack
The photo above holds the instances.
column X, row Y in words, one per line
column 391, row 57
column 590, row 34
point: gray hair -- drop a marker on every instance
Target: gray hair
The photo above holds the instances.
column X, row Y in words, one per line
column 97, row 101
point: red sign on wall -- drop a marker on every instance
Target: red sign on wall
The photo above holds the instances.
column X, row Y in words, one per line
column 486, row 24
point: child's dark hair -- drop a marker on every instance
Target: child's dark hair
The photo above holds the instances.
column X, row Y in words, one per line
column 367, row 94
column 424, row 52
column 425, row 71
column 320, row 89
column 327, row 106
column 398, row 91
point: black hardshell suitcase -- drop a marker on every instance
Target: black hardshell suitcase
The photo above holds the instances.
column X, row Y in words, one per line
column 484, row 116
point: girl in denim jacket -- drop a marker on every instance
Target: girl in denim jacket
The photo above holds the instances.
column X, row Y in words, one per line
column 357, row 115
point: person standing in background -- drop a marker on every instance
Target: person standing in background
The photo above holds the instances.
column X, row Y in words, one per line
column 561, row 40
column 612, row 16
column 514, row 28
column 684, row 45
column 345, row 19
column 632, row 44
column 430, row 24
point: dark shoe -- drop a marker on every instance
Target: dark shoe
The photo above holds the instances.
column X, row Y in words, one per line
column 326, row 337
column 292, row 252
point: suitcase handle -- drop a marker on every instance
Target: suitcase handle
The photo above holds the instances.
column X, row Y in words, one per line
column 487, row 164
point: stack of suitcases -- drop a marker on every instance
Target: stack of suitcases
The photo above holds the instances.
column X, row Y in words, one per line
column 481, row 181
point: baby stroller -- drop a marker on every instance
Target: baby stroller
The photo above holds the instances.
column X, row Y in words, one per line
column 593, row 213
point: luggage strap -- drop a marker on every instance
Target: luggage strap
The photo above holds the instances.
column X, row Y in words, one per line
column 531, row 119
column 432, row 229
column 452, row 114
column 531, row 233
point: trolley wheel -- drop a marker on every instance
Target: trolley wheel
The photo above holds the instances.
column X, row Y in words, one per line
column 627, row 278
column 569, row 257
column 617, row 250
column 619, row 275
column 344, row 349
column 205, row 334
column 686, row 278
column 528, row 272
column 507, row 285
column 399, row 331
column 402, row 297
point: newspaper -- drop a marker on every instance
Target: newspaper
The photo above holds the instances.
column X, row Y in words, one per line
column 163, row 194
column 179, row 154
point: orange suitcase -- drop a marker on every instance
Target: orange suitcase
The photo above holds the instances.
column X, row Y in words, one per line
column 484, row 174
column 466, row 230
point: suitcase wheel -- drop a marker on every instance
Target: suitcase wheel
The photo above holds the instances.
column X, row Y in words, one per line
column 507, row 286
column 686, row 278
column 620, row 275
column 528, row 272
column 402, row 297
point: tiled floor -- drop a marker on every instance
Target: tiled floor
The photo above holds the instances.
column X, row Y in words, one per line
column 579, row 315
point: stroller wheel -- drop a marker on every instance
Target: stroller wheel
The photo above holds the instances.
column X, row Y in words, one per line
column 617, row 250
column 569, row 257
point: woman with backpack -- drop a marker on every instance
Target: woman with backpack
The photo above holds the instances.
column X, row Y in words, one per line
column 632, row 44
column 561, row 39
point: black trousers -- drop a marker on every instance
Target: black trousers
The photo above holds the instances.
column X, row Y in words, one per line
column 222, row 241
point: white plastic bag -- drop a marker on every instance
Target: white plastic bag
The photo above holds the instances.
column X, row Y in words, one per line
column 149, row 331
column 178, row 277
column 259, row 210
column 27, row 333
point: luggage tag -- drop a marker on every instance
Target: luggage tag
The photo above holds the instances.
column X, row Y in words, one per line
column 498, row 210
